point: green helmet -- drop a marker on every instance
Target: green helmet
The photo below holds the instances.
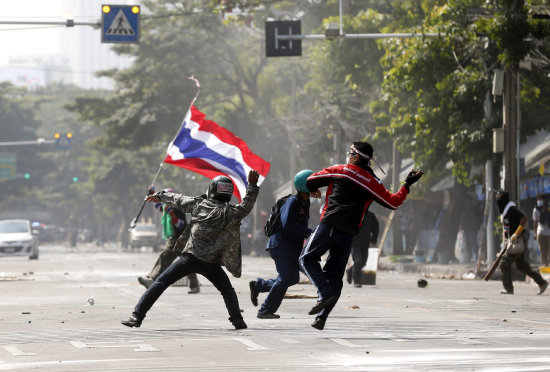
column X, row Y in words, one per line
column 300, row 180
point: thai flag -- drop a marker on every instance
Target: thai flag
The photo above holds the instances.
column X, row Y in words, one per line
column 208, row 149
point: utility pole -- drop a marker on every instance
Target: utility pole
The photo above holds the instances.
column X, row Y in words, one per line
column 509, row 125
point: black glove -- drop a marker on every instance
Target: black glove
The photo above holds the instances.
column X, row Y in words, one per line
column 412, row 177
column 151, row 190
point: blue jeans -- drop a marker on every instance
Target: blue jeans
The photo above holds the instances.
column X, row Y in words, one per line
column 286, row 263
column 187, row 264
column 327, row 280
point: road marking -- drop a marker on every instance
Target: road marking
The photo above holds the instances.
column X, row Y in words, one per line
column 141, row 347
column 15, row 351
column 290, row 341
column 341, row 341
column 252, row 345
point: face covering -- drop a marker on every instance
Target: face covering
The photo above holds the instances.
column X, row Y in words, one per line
column 502, row 202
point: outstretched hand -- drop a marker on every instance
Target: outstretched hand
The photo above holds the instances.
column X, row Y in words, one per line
column 413, row 176
column 253, row 177
column 152, row 198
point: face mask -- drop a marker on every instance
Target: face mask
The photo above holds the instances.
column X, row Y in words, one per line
column 540, row 203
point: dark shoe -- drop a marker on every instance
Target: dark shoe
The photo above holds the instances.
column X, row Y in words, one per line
column 239, row 324
column 543, row 288
column 146, row 282
column 505, row 291
column 253, row 292
column 132, row 322
column 321, row 304
column 268, row 315
column 319, row 323
column 357, row 285
column 193, row 290
column 348, row 275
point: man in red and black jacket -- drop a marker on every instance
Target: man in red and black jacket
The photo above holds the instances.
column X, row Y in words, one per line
column 351, row 189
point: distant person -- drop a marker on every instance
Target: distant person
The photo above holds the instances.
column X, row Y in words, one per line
column 366, row 238
column 351, row 189
column 514, row 223
column 470, row 223
column 285, row 246
column 174, row 223
column 214, row 241
column 541, row 219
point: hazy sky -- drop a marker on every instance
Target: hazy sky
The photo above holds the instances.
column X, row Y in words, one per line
column 31, row 40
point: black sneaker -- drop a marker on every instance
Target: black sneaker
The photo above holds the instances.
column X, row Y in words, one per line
column 253, row 292
column 146, row 282
column 321, row 304
column 505, row 291
column 132, row 322
column 193, row 290
column 239, row 324
column 319, row 323
column 349, row 274
column 542, row 288
column 268, row 315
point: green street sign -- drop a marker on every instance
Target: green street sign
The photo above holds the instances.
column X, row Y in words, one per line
column 8, row 165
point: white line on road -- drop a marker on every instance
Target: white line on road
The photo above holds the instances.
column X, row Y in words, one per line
column 290, row 341
column 141, row 347
column 252, row 345
column 15, row 351
column 341, row 341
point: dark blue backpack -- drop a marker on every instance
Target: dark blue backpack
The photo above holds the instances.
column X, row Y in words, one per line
column 273, row 223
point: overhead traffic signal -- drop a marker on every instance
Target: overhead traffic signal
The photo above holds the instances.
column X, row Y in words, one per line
column 63, row 140
column 27, row 176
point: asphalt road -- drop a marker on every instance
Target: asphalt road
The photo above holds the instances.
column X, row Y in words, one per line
column 47, row 322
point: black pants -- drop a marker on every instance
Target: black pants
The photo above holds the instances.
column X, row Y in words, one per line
column 165, row 259
column 185, row 265
column 522, row 265
column 360, row 256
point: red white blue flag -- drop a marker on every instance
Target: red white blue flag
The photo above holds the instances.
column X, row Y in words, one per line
column 204, row 147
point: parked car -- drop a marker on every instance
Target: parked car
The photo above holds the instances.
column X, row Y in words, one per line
column 145, row 235
column 17, row 238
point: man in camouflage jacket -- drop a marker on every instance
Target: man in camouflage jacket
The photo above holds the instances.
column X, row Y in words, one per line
column 214, row 242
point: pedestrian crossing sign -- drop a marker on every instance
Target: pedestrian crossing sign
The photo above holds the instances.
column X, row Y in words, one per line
column 120, row 23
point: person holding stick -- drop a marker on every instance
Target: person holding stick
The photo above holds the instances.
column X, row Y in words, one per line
column 214, row 241
column 514, row 223
column 174, row 225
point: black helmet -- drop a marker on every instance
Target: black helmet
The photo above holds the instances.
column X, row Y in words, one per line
column 220, row 188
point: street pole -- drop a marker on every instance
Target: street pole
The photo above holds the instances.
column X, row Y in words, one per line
column 509, row 126
column 397, row 240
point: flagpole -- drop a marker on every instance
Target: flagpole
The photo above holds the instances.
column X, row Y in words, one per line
column 136, row 218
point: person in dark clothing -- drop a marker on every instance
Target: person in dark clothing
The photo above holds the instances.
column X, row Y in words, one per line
column 214, row 242
column 470, row 223
column 174, row 225
column 284, row 247
column 351, row 189
column 367, row 237
column 513, row 219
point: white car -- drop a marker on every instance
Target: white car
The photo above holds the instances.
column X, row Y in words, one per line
column 18, row 239
column 145, row 234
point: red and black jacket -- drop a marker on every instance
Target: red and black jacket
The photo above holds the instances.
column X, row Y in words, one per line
column 350, row 191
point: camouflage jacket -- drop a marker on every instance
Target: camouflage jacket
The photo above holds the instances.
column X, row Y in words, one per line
column 215, row 226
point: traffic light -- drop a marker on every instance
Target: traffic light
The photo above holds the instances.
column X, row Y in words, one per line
column 75, row 179
column 63, row 140
column 27, row 176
